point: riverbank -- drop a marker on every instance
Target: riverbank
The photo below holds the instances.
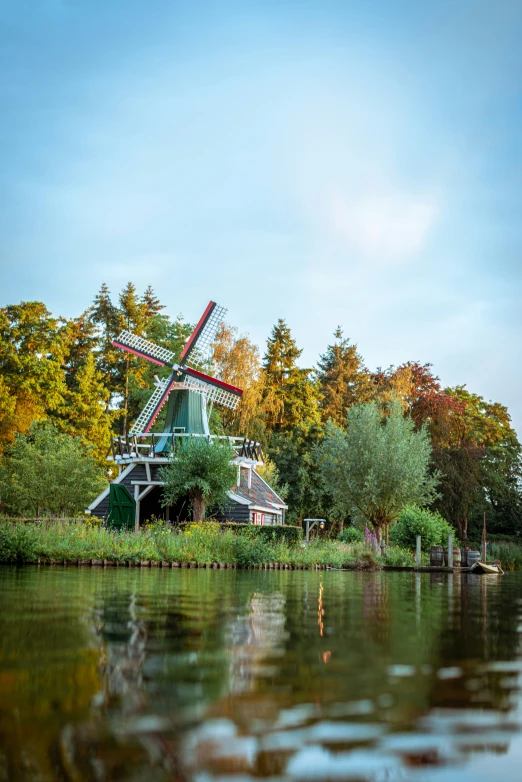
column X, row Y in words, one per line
column 199, row 545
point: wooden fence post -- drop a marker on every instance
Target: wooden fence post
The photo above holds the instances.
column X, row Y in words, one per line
column 418, row 552
column 450, row 550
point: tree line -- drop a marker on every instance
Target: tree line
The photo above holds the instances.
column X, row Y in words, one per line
column 64, row 373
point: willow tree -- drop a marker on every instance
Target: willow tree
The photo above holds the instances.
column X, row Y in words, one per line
column 202, row 470
column 378, row 465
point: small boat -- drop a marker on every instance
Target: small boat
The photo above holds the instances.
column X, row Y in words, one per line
column 487, row 568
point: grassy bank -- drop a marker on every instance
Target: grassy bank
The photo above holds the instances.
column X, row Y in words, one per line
column 203, row 544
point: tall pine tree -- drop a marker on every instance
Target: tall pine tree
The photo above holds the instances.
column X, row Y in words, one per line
column 290, row 397
column 343, row 378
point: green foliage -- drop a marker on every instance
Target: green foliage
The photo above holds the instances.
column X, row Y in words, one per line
column 351, row 535
column 290, row 397
column 343, row 378
column 287, row 533
column 201, row 469
column 203, row 543
column 509, row 554
column 45, row 472
column 32, row 354
column 413, row 521
column 379, row 465
column 17, row 543
column 274, row 534
column 396, row 556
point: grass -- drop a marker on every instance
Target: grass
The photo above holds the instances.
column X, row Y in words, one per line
column 204, row 544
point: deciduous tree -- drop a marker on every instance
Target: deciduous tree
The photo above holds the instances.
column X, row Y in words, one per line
column 48, row 472
column 202, row 470
column 379, row 465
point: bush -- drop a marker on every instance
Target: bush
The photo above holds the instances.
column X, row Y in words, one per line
column 351, row 535
column 17, row 544
column 413, row 521
column 398, row 557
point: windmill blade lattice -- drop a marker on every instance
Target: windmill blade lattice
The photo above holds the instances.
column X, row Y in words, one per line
column 153, row 407
column 214, row 393
column 142, row 347
column 199, row 342
column 197, row 348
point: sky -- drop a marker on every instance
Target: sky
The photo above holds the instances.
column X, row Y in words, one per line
column 329, row 163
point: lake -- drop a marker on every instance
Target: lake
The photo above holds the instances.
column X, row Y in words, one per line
column 138, row 674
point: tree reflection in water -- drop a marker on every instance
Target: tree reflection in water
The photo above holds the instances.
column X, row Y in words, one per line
column 131, row 674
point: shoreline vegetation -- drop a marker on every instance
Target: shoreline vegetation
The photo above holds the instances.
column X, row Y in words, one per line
column 205, row 544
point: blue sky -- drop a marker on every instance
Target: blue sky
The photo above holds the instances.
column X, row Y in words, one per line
column 331, row 163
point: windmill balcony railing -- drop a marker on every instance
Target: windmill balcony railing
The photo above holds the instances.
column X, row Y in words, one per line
column 163, row 445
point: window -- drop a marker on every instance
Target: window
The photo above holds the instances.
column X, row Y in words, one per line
column 258, row 518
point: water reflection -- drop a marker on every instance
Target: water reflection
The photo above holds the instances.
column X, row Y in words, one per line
column 201, row 675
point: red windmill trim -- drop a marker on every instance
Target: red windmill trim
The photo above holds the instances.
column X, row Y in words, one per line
column 139, row 353
column 197, row 331
column 213, row 381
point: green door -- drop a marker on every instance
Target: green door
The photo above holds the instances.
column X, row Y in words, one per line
column 122, row 507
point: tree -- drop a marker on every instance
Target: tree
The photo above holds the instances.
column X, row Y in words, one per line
column 31, row 366
column 480, row 463
column 235, row 359
column 85, row 412
column 292, row 454
column 80, row 341
column 104, row 315
column 379, row 465
column 201, row 469
column 47, row 472
column 343, row 379
column 290, row 397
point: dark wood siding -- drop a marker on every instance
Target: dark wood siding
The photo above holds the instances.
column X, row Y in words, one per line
column 236, row 512
column 102, row 508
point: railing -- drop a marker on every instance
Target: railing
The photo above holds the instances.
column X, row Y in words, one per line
column 147, row 445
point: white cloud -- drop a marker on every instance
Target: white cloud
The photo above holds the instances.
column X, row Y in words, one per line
column 385, row 227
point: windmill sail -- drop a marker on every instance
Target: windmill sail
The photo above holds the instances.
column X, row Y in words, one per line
column 152, row 409
column 143, row 348
column 199, row 342
column 197, row 348
column 215, row 390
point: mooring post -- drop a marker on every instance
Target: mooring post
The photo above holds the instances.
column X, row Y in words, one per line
column 418, row 552
column 450, row 550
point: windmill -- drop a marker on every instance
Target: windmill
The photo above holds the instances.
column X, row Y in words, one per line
column 188, row 390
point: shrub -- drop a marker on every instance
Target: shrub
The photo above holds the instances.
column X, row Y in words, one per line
column 413, row 521
column 351, row 535
column 17, row 544
column 398, row 557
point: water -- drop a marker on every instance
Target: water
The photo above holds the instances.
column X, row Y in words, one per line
column 131, row 674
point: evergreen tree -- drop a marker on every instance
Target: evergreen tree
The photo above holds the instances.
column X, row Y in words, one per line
column 80, row 341
column 104, row 315
column 290, row 397
column 151, row 303
column 85, row 413
column 343, row 379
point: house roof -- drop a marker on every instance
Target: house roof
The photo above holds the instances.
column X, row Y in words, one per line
column 259, row 494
